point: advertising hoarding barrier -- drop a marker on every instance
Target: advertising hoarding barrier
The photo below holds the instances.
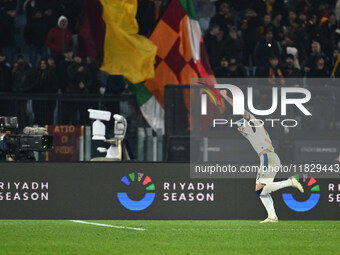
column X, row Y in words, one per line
column 162, row 191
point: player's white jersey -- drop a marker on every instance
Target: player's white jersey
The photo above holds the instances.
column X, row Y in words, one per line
column 257, row 136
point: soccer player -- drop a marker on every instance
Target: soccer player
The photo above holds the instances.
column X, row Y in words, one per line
column 261, row 142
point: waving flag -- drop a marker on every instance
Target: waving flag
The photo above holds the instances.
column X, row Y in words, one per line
column 109, row 33
column 181, row 55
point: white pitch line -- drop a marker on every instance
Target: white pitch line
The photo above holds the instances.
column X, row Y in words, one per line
column 246, row 229
column 106, row 225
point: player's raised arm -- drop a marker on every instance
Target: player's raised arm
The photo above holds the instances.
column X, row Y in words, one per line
column 230, row 101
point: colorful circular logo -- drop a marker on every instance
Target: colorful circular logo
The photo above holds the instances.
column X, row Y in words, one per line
column 310, row 203
column 146, row 201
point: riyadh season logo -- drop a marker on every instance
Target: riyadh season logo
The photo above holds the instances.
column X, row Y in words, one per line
column 310, row 203
column 145, row 185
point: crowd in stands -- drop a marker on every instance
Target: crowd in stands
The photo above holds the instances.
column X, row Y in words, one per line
column 244, row 38
column 276, row 40
column 38, row 54
column 272, row 39
column 38, row 49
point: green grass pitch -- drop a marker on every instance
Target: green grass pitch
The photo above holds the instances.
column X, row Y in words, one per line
column 169, row 237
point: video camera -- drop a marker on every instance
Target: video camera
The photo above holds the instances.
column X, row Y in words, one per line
column 22, row 145
column 118, row 149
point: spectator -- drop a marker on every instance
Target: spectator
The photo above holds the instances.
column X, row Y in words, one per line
column 273, row 72
column 59, row 38
column 72, row 10
column 222, row 70
column 250, row 35
column 223, row 18
column 92, row 66
column 288, row 42
column 289, row 46
column 278, row 28
column 51, row 63
column 299, row 36
column 80, row 77
column 5, row 84
column 313, row 57
column 335, row 69
column 326, row 35
column 320, row 70
column 322, row 9
column 332, row 20
column 22, row 75
column 233, row 44
column 66, row 108
column 290, row 71
column 266, row 25
column 62, row 67
column 51, row 12
column 303, row 18
column 264, row 49
column 80, row 83
column 7, row 31
column 291, row 18
column 22, row 83
column 45, row 81
column 35, row 31
column 205, row 11
column 231, row 69
column 312, row 29
column 213, row 44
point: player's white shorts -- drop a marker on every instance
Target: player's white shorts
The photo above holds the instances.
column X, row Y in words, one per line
column 270, row 164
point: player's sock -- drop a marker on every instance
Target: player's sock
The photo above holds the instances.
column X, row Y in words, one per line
column 274, row 186
column 268, row 203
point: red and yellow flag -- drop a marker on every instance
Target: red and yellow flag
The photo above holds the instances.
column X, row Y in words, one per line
column 181, row 54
